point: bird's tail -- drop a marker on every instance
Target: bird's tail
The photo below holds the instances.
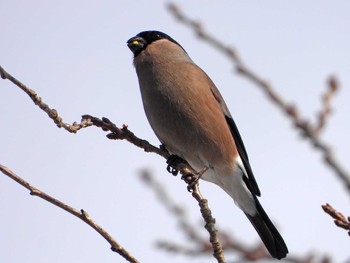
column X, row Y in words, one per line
column 268, row 232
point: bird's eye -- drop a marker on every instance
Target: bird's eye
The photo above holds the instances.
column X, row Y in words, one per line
column 156, row 36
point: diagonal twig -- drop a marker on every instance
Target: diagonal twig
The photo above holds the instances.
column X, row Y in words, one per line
column 82, row 214
column 339, row 219
column 123, row 134
column 325, row 111
column 199, row 246
column 187, row 228
column 290, row 110
column 175, row 209
column 209, row 224
column 52, row 113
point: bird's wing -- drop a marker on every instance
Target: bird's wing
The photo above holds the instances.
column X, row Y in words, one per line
column 251, row 184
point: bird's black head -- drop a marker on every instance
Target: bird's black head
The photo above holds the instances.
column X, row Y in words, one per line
column 140, row 42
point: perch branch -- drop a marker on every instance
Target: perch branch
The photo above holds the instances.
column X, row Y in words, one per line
column 188, row 228
column 176, row 210
column 201, row 247
column 119, row 134
column 125, row 134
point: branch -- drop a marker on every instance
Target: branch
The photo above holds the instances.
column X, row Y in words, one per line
column 176, row 210
column 190, row 230
column 52, row 113
column 324, row 113
column 187, row 171
column 179, row 213
column 121, row 134
column 209, row 224
column 199, row 246
column 339, row 219
column 82, row 214
column 290, row 110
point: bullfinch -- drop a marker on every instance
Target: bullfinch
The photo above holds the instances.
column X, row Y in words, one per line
column 191, row 119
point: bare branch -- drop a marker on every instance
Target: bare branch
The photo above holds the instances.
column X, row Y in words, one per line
column 325, row 111
column 123, row 134
column 290, row 110
column 83, row 215
column 209, row 224
column 186, row 170
column 120, row 134
column 339, row 219
column 199, row 246
column 176, row 210
column 188, row 229
column 52, row 113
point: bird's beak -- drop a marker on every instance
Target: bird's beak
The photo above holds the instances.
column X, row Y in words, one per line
column 136, row 44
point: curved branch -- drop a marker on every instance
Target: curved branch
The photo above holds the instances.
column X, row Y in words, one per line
column 82, row 215
column 116, row 134
column 290, row 110
column 52, row 113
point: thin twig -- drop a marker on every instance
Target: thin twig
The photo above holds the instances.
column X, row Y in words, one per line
column 339, row 219
column 52, row 113
column 175, row 209
column 124, row 134
column 209, row 224
column 82, row 214
column 201, row 247
column 188, row 229
column 290, row 110
column 325, row 111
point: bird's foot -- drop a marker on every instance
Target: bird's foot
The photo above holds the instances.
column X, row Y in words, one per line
column 173, row 161
column 192, row 179
column 190, row 176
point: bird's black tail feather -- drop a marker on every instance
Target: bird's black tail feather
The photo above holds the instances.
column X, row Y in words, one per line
column 268, row 232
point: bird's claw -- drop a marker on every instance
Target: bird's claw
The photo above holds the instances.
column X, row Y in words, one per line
column 172, row 162
column 172, row 170
column 192, row 179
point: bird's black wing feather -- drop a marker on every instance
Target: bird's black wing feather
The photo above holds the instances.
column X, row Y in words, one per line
column 251, row 183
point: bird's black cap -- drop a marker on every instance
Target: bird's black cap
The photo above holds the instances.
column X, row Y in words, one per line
column 139, row 42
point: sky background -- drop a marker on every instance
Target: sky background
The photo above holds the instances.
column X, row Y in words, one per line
column 74, row 55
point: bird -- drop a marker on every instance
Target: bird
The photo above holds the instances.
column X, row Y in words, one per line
column 192, row 121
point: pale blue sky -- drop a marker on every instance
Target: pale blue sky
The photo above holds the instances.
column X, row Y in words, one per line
column 74, row 55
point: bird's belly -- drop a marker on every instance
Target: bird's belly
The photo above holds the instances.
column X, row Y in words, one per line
column 187, row 137
column 188, row 121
